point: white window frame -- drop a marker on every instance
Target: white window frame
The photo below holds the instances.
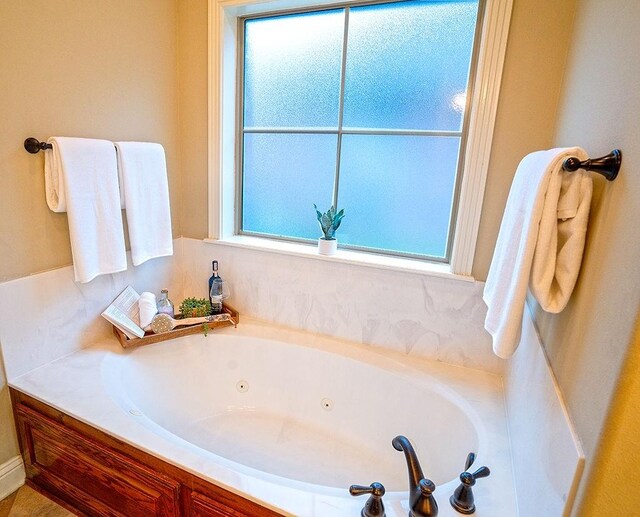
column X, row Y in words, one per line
column 223, row 73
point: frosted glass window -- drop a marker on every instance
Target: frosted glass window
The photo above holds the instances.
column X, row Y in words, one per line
column 399, row 192
column 284, row 175
column 362, row 107
column 292, row 70
column 408, row 65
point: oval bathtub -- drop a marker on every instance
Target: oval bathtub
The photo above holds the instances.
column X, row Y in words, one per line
column 305, row 412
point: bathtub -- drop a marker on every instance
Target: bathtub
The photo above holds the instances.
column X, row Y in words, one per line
column 290, row 419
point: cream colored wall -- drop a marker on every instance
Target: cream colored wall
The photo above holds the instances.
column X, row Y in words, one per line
column 76, row 68
column 600, row 110
column 193, row 86
column 612, row 490
column 537, row 49
column 8, row 439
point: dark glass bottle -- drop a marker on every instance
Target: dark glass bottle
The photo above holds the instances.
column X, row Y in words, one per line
column 215, row 290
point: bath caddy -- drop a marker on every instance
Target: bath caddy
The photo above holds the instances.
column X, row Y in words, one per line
column 150, row 338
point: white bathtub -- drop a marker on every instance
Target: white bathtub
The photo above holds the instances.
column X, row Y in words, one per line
column 291, row 419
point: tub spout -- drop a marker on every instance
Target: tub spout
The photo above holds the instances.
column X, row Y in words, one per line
column 421, row 501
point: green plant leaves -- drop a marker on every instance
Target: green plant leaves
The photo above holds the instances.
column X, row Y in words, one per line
column 329, row 221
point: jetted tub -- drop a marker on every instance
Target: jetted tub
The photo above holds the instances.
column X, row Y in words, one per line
column 318, row 418
column 290, row 419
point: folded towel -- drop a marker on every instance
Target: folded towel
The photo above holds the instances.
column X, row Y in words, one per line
column 145, row 189
column 534, row 246
column 81, row 178
column 148, row 308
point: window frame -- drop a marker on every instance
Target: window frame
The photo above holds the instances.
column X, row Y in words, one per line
column 224, row 122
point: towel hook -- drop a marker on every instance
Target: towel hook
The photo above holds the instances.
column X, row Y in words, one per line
column 608, row 165
column 33, row 145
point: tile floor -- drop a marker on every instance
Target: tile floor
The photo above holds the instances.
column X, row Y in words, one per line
column 26, row 502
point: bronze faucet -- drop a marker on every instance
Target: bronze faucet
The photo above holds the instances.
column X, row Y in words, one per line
column 462, row 499
column 374, row 507
column 421, row 500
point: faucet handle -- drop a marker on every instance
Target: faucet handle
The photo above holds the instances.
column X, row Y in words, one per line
column 374, row 506
column 471, row 457
column 482, row 472
column 462, row 499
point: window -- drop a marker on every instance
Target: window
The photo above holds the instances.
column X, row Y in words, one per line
column 361, row 107
column 235, row 139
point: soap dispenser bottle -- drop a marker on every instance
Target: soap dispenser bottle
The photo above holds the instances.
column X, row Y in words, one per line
column 215, row 290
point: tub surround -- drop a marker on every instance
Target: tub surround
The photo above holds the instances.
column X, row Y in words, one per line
column 47, row 315
column 413, row 316
column 548, row 459
column 417, row 315
column 74, row 385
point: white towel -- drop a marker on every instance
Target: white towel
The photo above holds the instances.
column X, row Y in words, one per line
column 145, row 189
column 540, row 243
column 81, row 178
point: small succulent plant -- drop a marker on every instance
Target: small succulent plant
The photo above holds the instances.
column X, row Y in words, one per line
column 195, row 307
column 329, row 221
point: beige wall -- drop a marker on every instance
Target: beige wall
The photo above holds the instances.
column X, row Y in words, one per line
column 600, row 110
column 8, row 438
column 193, row 83
column 75, row 68
column 612, row 490
column 537, row 49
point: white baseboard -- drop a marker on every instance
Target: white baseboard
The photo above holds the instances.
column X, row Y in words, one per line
column 11, row 476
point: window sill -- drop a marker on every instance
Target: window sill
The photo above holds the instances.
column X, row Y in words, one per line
column 358, row 258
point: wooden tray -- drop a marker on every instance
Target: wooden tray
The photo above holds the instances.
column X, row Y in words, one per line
column 150, row 338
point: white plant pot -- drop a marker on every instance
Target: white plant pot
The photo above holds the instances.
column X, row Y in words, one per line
column 327, row 247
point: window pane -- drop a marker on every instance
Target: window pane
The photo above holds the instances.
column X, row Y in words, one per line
column 407, row 64
column 292, row 70
column 284, row 174
column 397, row 192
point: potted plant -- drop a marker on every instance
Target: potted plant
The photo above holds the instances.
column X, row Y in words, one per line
column 329, row 223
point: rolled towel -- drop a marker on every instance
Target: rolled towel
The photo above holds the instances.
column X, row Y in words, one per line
column 148, row 309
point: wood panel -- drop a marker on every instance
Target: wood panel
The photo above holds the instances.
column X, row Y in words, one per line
column 96, row 474
column 204, row 506
column 96, row 479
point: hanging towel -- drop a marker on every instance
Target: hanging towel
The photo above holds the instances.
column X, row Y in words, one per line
column 145, row 189
column 540, row 243
column 81, row 178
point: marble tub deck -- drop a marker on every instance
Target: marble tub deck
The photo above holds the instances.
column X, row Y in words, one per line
column 74, row 384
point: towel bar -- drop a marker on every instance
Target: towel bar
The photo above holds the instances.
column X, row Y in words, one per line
column 33, row 145
column 608, row 165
